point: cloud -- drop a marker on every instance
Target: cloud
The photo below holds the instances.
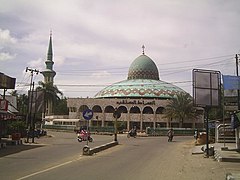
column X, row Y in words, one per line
column 5, row 38
column 36, row 64
column 6, row 56
column 93, row 41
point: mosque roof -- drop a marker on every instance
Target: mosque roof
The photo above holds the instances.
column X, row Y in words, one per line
column 143, row 67
column 142, row 82
column 140, row 88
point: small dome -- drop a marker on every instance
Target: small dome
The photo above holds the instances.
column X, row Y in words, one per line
column 143, row 67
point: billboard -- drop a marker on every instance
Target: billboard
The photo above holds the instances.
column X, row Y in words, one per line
column 7, row 82
column 206, row 88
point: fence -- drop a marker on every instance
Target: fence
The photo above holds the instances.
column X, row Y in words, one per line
column 177, row 131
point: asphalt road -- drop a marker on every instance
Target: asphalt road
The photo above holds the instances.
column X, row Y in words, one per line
column 135, row 158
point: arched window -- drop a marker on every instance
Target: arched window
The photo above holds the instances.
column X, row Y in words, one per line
column 135, row 110
column 83, row 108
column 109, row 109
column 97, row 109
column 160, row 110
column 122, row 109
column 147, row 110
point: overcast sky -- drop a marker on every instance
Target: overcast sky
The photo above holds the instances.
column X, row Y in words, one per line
column 95, row 41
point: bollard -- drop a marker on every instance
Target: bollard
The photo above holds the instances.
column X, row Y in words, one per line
column 86, row 150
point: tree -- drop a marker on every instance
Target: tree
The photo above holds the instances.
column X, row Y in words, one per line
column 181, row 107
column 51, row 94
column 61, row 107
column 22, row 102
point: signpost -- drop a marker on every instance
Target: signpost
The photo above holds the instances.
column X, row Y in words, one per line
column 87, row 115
column 206, row 93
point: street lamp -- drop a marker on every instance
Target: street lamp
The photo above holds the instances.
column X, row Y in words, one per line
column 116, row 115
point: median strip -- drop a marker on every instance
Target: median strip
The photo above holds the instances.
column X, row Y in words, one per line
column 90, row 151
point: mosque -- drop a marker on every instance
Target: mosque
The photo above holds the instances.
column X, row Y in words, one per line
column 141, row 100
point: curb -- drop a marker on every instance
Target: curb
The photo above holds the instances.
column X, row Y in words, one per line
column 90, row 151
column 232, row 176
column 220, row 158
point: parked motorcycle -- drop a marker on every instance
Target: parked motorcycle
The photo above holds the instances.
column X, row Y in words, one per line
column 84, row 136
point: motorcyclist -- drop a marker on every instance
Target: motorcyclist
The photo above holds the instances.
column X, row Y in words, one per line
column 133, row 132
column 170, row 134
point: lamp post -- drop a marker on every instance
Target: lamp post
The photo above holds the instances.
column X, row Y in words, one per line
column 238, row 98
column 116, row 115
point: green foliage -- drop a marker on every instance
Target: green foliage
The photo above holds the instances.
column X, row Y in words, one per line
column 61, row 107
column 180, row 108
column 121, row 125
column 16, row 126
column 22, row 102
column 51, row 90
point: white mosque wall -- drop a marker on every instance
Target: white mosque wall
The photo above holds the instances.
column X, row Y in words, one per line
column 136, row 111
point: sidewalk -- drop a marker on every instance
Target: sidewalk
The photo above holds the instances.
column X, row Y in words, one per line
column 221, row 153
column 227, row 153
column 9, row 146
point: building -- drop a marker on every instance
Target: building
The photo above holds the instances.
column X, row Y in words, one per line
column 141, row 99
column 8, row 104
column 49, row 75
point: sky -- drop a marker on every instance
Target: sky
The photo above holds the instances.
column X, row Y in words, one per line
column 95, row 41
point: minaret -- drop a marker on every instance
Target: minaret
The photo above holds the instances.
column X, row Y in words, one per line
column 49, row 73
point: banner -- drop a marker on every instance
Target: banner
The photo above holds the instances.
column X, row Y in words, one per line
column 231, row 82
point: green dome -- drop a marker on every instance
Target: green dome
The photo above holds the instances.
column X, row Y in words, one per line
column 143, row 82
column 140, row 88
column 143, row 67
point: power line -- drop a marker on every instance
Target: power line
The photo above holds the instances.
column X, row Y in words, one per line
column 73, row 71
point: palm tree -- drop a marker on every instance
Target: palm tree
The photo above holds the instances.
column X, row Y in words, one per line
column 51, row 95
column 181, row 108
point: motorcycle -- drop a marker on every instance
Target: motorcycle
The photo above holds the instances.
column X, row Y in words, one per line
column 132, row 133
column 84, row 136
column 170, row 138
column 170, row 135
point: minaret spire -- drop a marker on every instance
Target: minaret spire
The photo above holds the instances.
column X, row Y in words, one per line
column 50, row 52
column 49, row 73
column 143, row 47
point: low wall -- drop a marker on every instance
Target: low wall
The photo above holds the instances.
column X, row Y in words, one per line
column 91, row 151
column 177, row 131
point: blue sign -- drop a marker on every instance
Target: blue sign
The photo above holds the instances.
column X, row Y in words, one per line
column 88, row 114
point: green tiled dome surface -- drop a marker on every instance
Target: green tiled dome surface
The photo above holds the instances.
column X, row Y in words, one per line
column 143, row 67
column 142, row 82
column 139, row 88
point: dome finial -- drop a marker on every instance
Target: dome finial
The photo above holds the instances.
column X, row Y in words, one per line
column 143, row 47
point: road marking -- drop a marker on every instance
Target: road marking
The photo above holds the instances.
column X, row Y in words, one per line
column 49, row 169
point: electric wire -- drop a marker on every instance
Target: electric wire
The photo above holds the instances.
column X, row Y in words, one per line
column 164, row 72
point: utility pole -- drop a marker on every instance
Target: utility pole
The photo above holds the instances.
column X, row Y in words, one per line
column 30, row 122
column 238, row 100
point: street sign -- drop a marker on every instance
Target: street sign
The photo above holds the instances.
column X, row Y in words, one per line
column 87, row 114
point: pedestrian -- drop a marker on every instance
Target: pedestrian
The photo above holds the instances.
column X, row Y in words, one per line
column 196, row 134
